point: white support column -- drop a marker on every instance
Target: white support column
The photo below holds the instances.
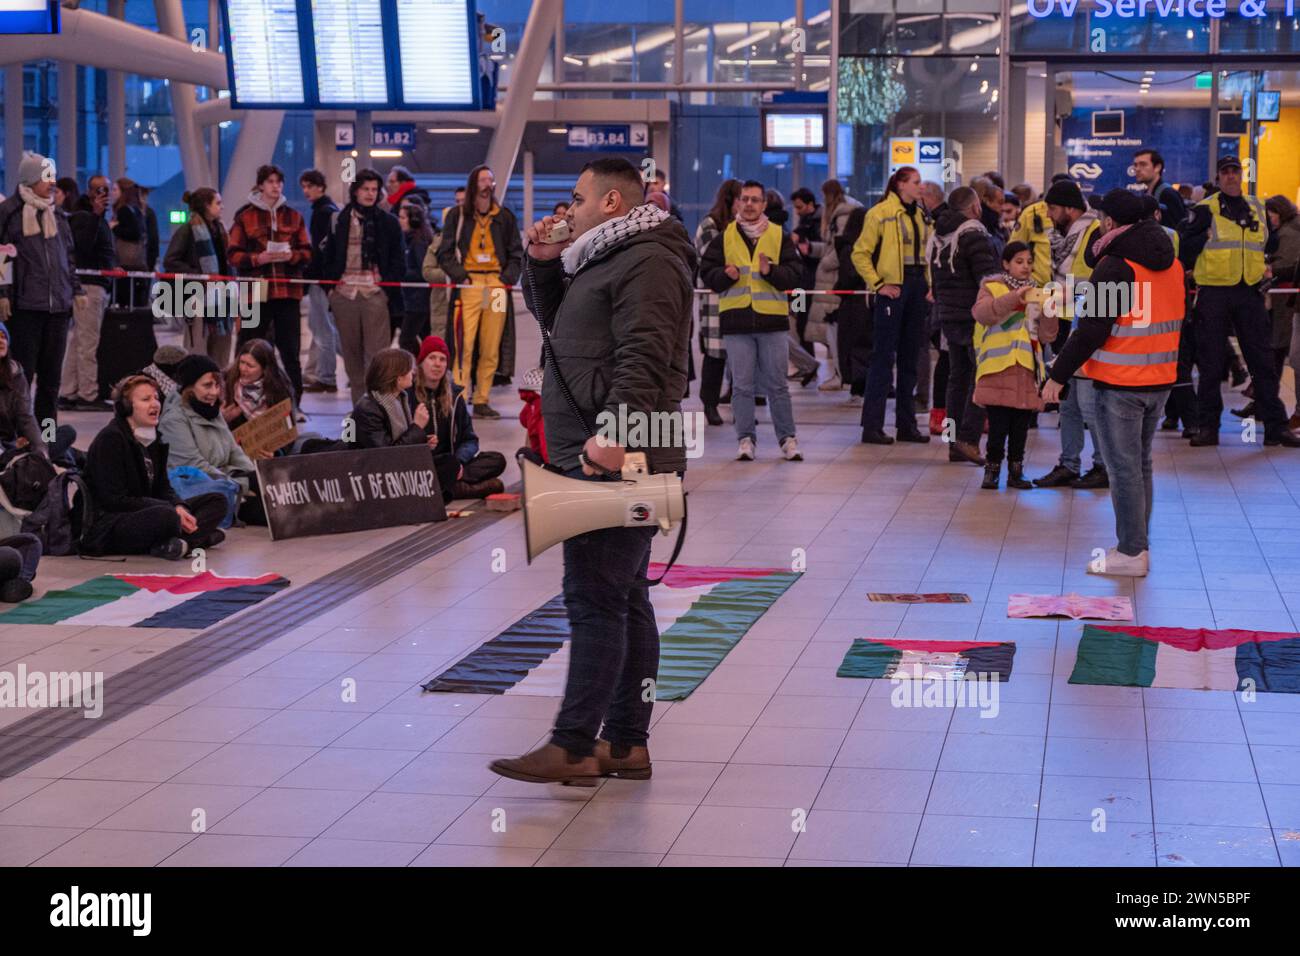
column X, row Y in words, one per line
column 66, row 160
column 258, row 133
column 189, row 136
column 13, row 125
column 116, row 108
column 524, row 74
column 530, row 204
column 833, row 97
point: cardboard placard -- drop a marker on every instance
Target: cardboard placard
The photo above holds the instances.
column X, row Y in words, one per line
column 338, row 491
column 269, row 431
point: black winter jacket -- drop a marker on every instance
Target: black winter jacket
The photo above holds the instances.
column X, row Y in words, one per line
column 118, row 482
column 92, row 243
column 1147, row 244
column 955, row 279
column 16, row 418
column 371, row 423
column 318, row 227
column 621, row 329
column 784, row 276
column 456, row 436
column 390, row 252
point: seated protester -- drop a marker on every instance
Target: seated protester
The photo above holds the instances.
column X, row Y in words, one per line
column 254, row 383
column 463, row 470
column 19, row 556
column 136, row 510
column 198, row 437
column 163, row 368
column 382, row 416
column 19, row 432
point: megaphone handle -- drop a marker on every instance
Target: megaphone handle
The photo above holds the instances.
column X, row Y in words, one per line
column 599, row 469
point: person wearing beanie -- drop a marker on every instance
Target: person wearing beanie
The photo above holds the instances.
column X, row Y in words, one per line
column 463, row 471
column 1126, row 344
column 136, row 509
column 43, row 287
column 163, row 368
column 1074, row 227
column 198, row 437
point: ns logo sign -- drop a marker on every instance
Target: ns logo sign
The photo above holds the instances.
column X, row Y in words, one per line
column 1085, row 171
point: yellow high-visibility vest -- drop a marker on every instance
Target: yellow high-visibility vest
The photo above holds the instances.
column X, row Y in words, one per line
column 999, row 347
column 751, row 290
column 1034, row 230
column 1232, row 254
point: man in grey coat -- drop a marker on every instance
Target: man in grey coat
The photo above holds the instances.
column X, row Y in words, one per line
column 617, row 301
column 36, row 299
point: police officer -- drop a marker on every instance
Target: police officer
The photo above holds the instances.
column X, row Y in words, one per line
column 1223, row 245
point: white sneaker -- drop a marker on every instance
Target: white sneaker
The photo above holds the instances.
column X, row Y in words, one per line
column 790, row 448
column 746, row 452
column 832, row 384
column 1118, row 564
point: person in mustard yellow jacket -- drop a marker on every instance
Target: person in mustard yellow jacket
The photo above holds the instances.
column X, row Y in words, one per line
column 890, row 256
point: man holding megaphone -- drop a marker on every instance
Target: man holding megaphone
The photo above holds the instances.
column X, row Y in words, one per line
column 610, row 282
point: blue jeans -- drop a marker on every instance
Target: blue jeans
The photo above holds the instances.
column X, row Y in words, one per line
column 1077, row 408
column 614, row 642
column 898, row 329
column 1125, row 426
column 757, row 361
column 322, row 356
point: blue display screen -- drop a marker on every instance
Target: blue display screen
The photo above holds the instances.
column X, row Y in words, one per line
column 29, row 16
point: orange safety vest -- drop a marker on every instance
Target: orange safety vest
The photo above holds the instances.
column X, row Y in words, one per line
column 1142, row 351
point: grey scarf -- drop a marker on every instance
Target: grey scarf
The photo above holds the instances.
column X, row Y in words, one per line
column 398, row 415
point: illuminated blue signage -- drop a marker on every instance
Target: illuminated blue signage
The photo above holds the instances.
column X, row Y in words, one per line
column 1135, row 9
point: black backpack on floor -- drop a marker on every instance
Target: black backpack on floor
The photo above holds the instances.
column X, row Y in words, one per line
column 64, row 515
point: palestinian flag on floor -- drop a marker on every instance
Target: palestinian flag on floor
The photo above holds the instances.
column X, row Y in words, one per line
column 701, row 613
column 950, row 660
column 1195, row 659
column 194, row 601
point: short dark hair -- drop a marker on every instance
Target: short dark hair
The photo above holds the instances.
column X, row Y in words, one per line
column 753, row 184
column 313, row 177
column 961, row 198
column 268, row 170
column 996, row 179
column 1011, row 248
column 1057, row 177
column 804, row 194
column 617, row 169
column 660, row 174
column 402, row 174
column 1156, row 158
column 364, row 176
column 459, row 189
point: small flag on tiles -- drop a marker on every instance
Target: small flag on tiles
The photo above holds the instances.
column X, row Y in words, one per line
column 944, row 598
column 951, row 660
column 1194, row 659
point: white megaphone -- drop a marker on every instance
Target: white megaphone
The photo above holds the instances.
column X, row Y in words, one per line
column 556, row 508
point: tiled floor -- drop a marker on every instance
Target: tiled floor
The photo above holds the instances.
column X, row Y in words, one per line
column 774, row 760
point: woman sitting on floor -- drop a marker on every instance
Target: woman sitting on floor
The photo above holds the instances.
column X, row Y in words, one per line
column 136, row 510
column 382, row 417
column 255, row 384
column 463, row 471
column 198, row 437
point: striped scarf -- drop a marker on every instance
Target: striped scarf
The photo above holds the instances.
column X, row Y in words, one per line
column 395, row 410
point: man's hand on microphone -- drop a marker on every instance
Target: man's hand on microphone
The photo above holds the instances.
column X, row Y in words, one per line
column 601, row 452
column 538, row 247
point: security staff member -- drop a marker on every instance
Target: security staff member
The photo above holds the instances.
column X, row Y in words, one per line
column 1132, row 360
column 1223, row 244
column 1034, row 229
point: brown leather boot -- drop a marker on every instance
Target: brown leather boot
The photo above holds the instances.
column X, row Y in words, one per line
column 478, row 489
column 550, row 763
column 618, row 760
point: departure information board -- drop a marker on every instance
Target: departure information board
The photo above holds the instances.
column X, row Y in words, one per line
column 350, row 64
column 265, row 54
column 362, row 54
column 29, row 16
column 438, row 66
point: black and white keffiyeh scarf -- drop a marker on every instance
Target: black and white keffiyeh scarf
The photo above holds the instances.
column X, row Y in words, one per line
column 610, row 233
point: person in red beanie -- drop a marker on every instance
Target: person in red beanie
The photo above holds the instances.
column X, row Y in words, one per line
column 463, row 470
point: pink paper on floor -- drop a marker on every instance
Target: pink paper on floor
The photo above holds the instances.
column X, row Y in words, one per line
column 1075, row 606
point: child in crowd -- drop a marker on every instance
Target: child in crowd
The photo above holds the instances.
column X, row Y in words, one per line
column 530, row 416
column 1010, row 325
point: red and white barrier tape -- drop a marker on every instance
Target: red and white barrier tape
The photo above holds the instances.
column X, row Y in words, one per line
column 128, row 274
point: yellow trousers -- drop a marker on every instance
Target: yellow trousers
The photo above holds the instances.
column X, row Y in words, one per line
column 483, row 320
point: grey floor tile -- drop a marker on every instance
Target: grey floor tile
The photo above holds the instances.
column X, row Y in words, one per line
column 974, row 841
